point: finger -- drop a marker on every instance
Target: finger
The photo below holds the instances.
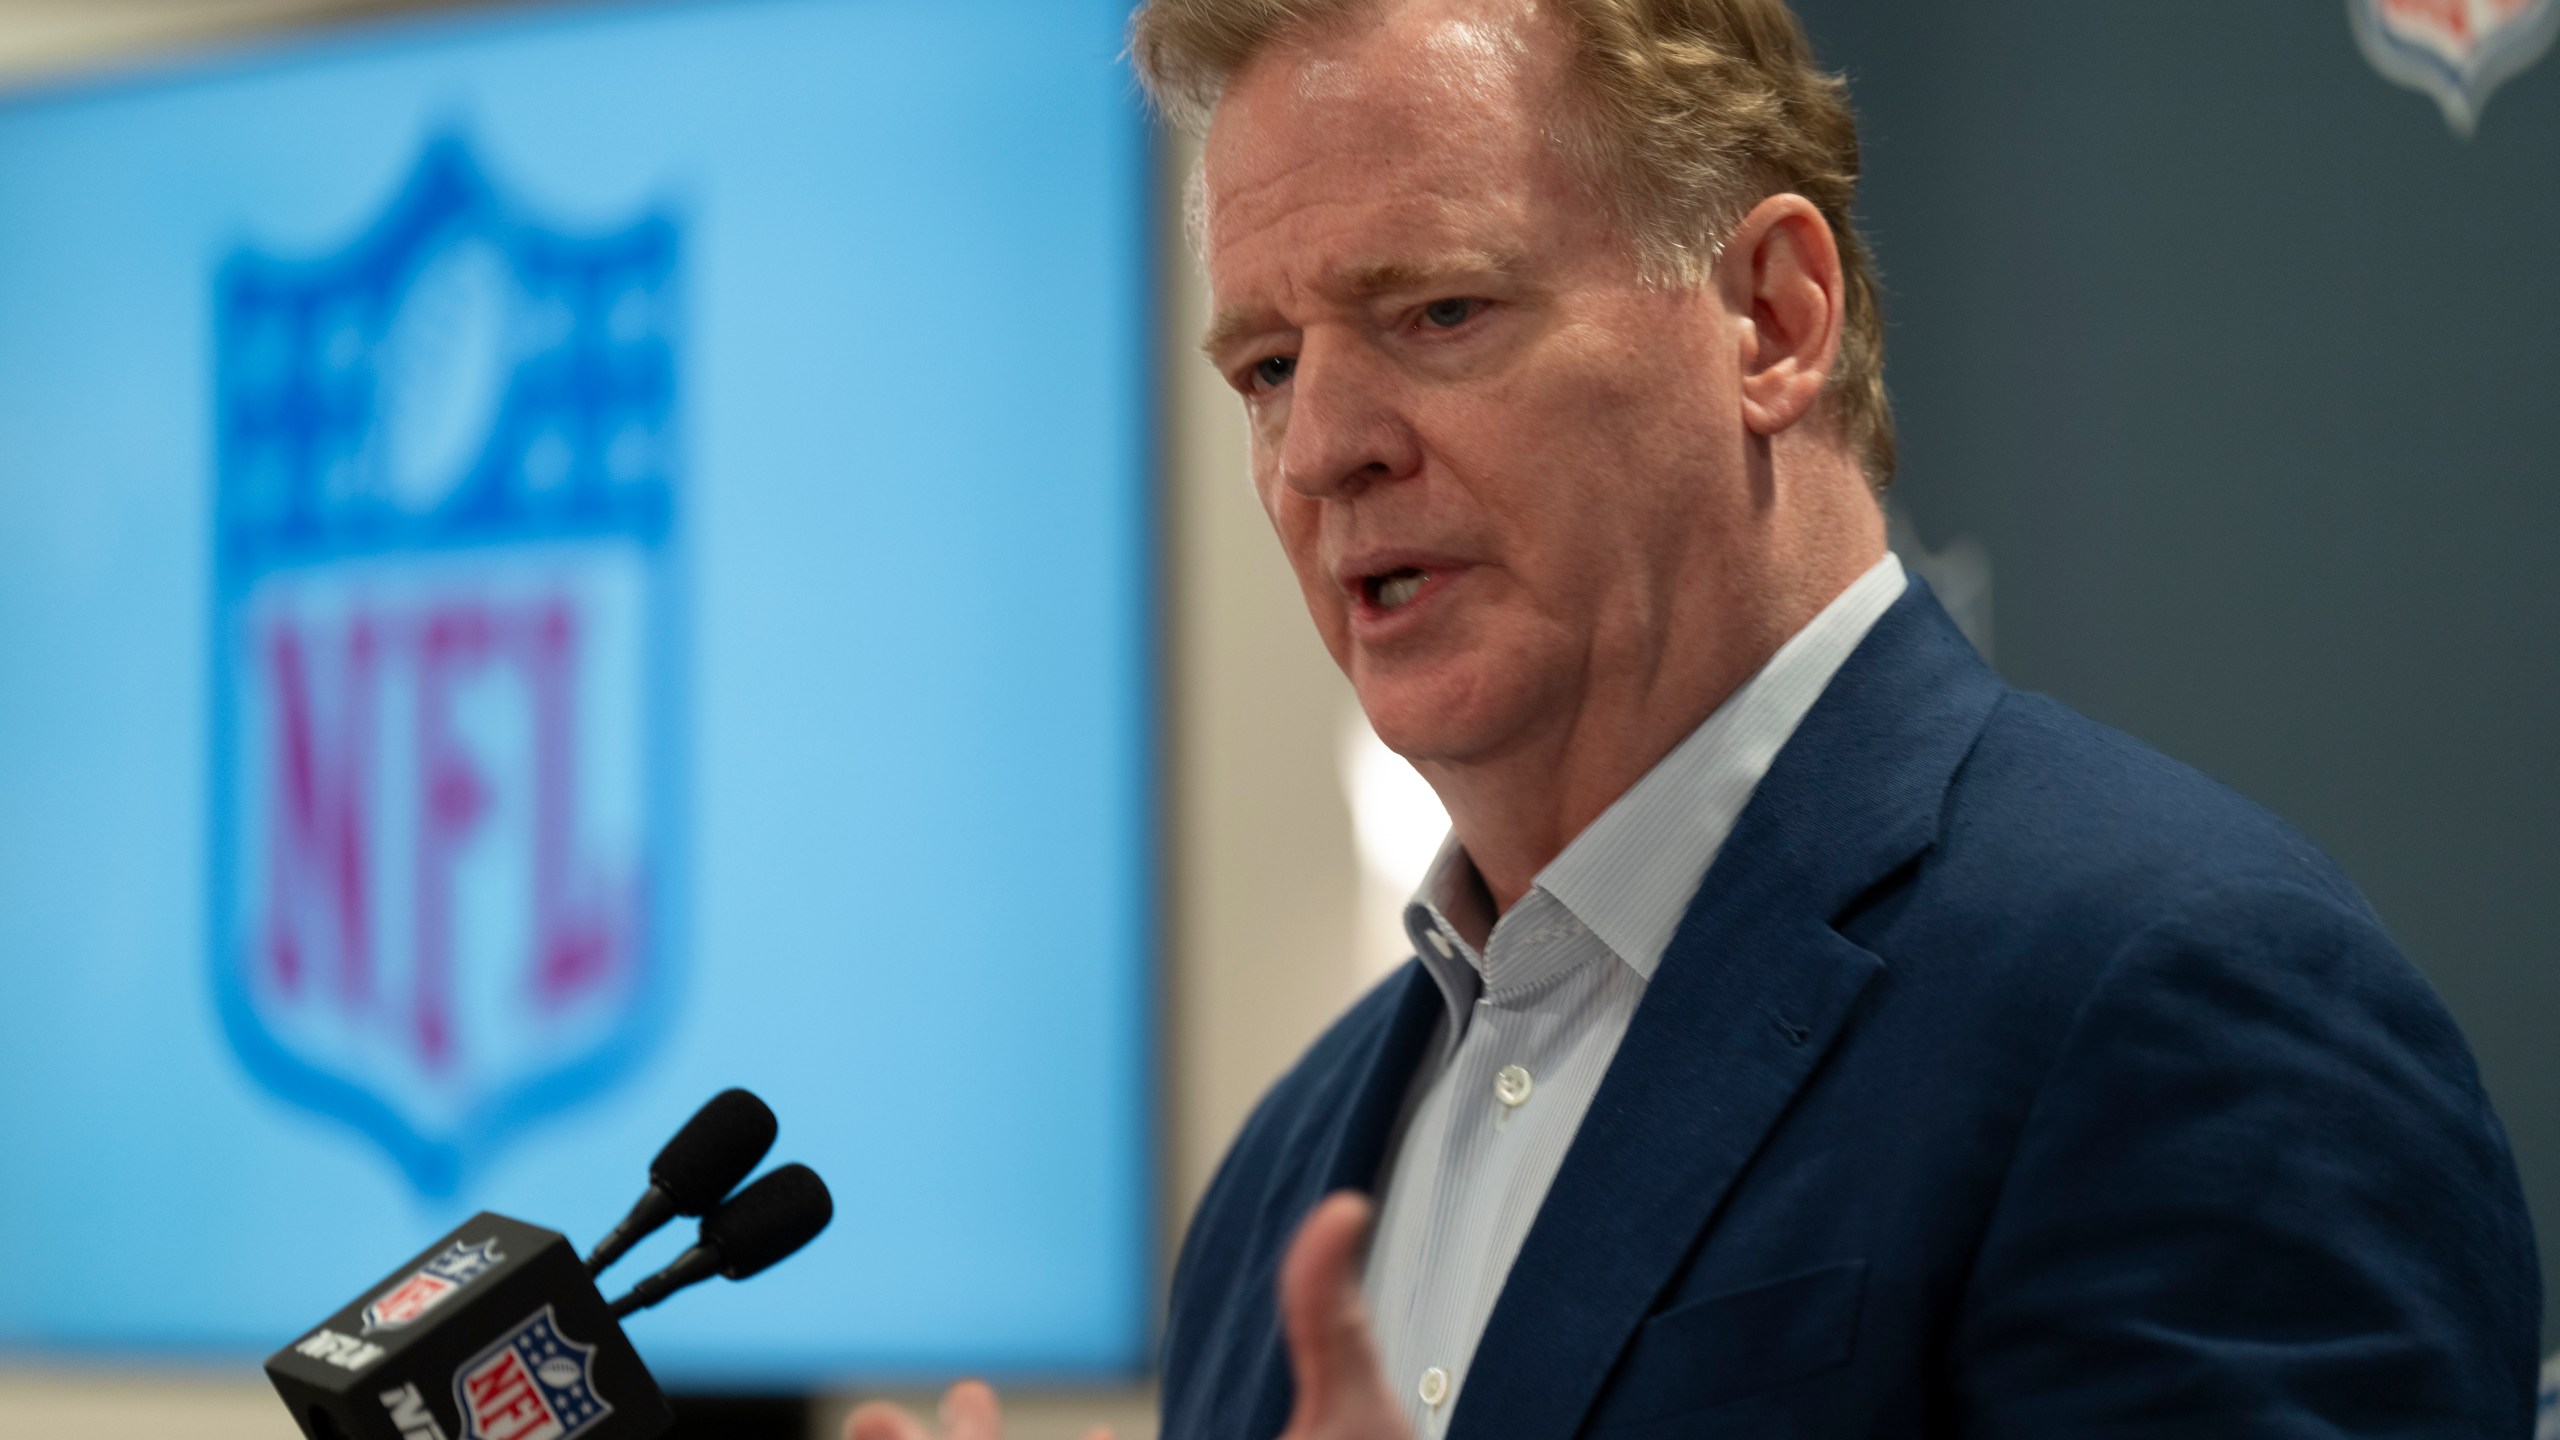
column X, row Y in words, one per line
column 1330, row 1353
column 969, row 1412
column 880, row 1420
column 1098, row 1432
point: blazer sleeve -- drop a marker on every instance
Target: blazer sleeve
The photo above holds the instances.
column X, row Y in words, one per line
column 2260, row 1193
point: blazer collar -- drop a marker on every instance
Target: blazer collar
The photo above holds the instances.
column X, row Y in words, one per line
column 1376, row 1098
column 1754, row 990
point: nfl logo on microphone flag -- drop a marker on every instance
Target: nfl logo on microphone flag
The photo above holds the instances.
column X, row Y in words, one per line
column 532, row 1385
column 524, row 1349
column 433, row 1283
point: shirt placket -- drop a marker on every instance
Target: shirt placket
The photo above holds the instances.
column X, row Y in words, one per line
column 1489, row 1080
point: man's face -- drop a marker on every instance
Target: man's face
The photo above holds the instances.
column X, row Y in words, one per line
column 1510, row 478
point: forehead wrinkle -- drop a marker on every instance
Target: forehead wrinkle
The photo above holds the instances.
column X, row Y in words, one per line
column 1338, row 112
column 1418, row 63
column 1478, row 63
column 1371, row 279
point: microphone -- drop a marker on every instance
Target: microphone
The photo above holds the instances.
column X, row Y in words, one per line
column 498, row 1332
column 494, row 1332
column 782, row 1211
column 705, row 1161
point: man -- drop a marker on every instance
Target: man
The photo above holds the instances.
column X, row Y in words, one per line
column 1808, row 1035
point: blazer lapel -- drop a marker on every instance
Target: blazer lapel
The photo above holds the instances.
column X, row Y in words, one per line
column 1376, row 1096
column 1350, row 1128
column 1754, row 990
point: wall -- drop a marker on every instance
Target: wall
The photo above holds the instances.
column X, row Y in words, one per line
column 2238, row 363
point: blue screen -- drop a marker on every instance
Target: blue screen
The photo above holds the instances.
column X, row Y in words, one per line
column 552, row 564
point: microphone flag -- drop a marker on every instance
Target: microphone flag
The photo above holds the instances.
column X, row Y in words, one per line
column 494, row 1332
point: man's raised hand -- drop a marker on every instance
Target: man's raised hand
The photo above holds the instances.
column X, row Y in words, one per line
column 1342, row 1391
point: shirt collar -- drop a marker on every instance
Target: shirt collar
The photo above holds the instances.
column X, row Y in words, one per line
column 1450, row 904
column 1630, row 875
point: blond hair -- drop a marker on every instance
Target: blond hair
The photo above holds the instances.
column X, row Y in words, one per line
column 1698, row 110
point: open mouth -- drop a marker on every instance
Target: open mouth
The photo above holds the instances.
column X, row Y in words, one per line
column 1393, row 588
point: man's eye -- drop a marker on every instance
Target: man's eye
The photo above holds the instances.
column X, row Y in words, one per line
column 1273, row 370
column 1448, row 314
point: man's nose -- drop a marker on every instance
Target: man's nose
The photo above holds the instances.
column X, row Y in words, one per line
column 1346, row 429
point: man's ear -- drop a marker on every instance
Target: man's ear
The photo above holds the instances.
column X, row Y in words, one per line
column 1780, row 274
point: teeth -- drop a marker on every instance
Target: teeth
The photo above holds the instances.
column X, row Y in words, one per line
column 1399, row 587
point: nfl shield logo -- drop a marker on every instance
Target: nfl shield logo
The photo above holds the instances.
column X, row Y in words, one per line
column 443, row 764
column 402, row 1304
column 532, row 1385
column 2459, row 51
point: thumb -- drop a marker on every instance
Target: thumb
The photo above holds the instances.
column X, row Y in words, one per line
column 969, row 1412
column 1331, row 1355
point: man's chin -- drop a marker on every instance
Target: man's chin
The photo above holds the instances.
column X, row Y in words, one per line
column 1434, row 723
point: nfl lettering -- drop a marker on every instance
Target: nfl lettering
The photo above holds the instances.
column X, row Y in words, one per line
column 534, row 1384
column 443, row 739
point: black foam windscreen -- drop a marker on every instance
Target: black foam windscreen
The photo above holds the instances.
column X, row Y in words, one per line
column 714, row 1151
column 779, row 1213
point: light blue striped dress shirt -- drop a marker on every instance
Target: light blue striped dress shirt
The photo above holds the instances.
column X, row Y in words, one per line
column 1535, row 1016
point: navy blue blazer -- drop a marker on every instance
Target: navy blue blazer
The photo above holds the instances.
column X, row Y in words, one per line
column 2004, row 1079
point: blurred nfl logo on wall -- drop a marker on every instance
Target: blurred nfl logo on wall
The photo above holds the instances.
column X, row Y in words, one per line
column 445, row 626
column 2458, row 51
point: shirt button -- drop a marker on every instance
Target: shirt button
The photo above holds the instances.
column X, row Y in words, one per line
column 1440, row 943
column 1434, row 1387
column 1512, row 1085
